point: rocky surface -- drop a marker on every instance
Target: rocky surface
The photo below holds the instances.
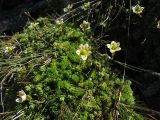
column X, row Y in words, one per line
column 15, row 14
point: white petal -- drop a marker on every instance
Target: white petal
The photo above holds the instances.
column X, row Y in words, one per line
column 109, row 46
column 81, row 46
column 118, row 43
column 113, row 42
column 19, row 100
column 133, row 8
column 86, row 45
column 89, row 52
column 24, row 97
column 112, row 51
column 81, row 26
column 85, row 22
column 65, row 9
column 118, row 49
column 21, row 93
column 84, row 57
column 78, row 52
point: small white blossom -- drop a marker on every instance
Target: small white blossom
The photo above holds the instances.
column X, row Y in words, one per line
column 85, row 25
column 114, row 47
column 59, row 21
column 158, row 24
column 68, row 8
column 137, row 9
column 84, row 51
column 86, row 6
column 9, row 49
column 33, row 25
column 22, row 97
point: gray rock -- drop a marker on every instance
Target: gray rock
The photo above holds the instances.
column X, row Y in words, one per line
column 12, row 13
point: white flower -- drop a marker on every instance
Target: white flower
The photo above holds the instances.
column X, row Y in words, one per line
column 137, row 9
column 158, row 24
column 59, row 21
column 84, row 51
column 86, row 6
column 22, row 96
column 33, row 25
column 114, row 47
column 9, row 49
column 85, row 25
column 68, row 8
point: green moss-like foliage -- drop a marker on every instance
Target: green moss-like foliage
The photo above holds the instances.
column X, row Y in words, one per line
column 58, row 83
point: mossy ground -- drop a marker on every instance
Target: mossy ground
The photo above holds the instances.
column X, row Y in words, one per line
column 42, row 61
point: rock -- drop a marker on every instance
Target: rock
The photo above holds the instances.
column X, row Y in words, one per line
column 13, row 17
column 10, row 4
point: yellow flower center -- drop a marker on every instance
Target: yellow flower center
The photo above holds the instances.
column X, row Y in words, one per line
column 114, row 46
column 138, row 9
column 84, row 52
column 85, row 25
